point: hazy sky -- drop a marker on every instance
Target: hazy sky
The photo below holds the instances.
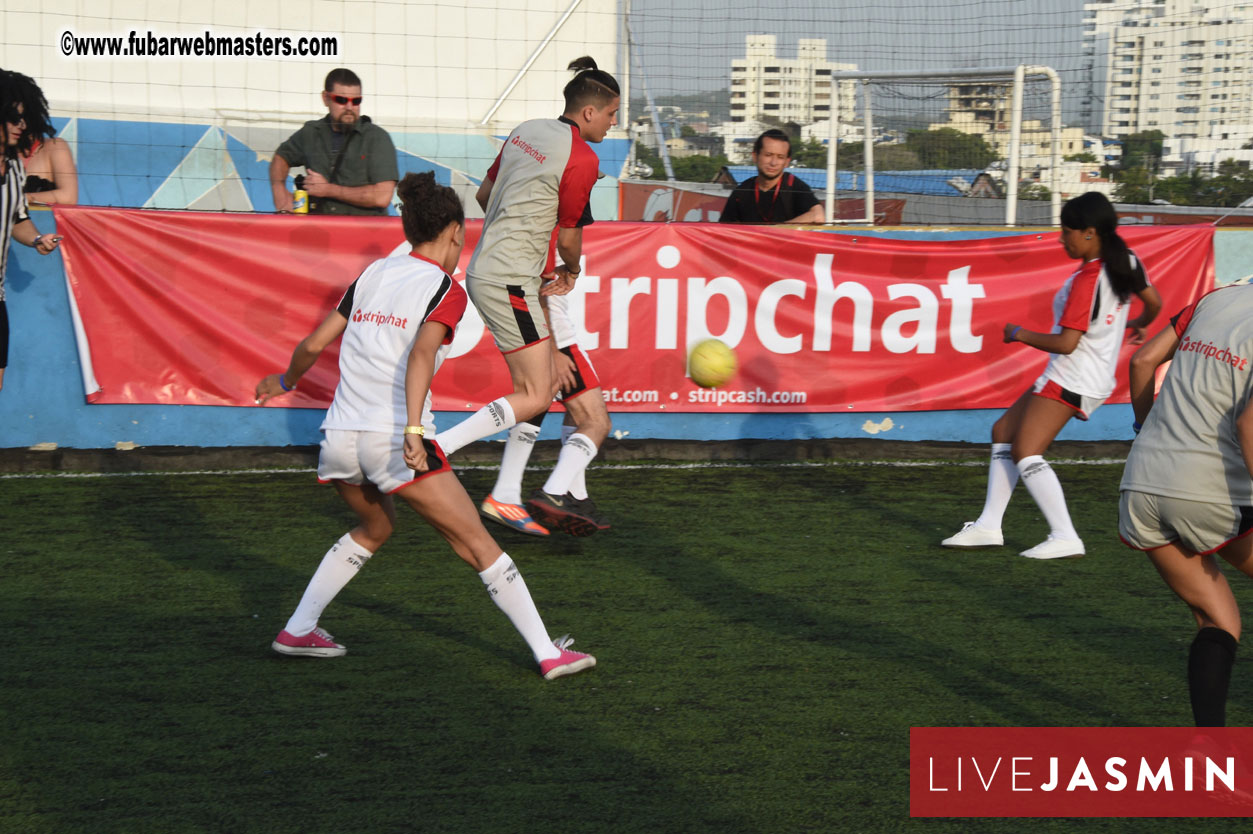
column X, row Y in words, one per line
column 688, row 45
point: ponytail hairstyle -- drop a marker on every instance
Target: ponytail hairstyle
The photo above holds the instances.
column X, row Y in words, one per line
column 1093, row 209
column 590, row 86
column 427, row 207
column 17, row 89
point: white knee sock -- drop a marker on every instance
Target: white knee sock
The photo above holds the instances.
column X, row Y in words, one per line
column 508, row 591
column 521, row 441
column 339, row 566
column 576, row 454
column 488, row 420
column 578, row 486
column 1041, row 481
column 1002, row 477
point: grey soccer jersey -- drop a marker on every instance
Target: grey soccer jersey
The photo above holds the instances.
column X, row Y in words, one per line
column 1188, row 447
column 542, row 179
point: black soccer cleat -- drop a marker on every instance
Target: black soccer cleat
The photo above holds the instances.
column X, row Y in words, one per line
column 562, row 512
column 587, row 508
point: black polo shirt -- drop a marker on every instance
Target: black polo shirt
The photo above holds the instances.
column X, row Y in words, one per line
column 791, row 197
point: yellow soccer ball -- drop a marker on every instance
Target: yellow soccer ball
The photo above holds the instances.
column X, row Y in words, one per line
column 711, row 363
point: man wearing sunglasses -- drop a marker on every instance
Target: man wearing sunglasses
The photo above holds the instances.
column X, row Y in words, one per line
column 350, row 162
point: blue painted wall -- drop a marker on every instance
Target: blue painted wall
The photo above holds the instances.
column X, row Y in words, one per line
column 42, row 400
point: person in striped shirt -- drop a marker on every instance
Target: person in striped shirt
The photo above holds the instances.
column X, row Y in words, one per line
column 24, row 113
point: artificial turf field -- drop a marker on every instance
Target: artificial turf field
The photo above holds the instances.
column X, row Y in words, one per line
column 766, row 637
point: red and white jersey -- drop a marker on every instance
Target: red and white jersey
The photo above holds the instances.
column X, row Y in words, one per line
column 385, row 307
column 542, row 179
column 1087, row 302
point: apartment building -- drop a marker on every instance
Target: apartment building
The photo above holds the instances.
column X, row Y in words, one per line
column 789, row 89
column 1183, row 67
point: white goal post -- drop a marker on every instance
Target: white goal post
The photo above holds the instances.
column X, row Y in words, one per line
column 1017, row 75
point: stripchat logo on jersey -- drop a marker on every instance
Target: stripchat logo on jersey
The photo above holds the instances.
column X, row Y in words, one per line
column 1212, row 351
column 381, row 319
column 1080, row 772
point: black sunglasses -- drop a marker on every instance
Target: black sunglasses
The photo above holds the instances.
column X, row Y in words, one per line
column 355, row 100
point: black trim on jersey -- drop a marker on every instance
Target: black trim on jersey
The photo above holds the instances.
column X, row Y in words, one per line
column 1072, row 399
column 1246, row 520
column 434, row 462
column 444, row 287
column 1096, row 302
column 579, row 385
column 526, row 325
column 344, row 308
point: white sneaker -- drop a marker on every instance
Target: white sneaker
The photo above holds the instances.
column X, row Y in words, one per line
column 1052, row 548
column 971, row 537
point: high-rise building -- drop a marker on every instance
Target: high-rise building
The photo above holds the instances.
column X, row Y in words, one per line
column 1183, row 67
column 789, row 89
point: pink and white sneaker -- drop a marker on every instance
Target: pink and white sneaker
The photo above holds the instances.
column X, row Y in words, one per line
column 567, row 663
column 316, row 643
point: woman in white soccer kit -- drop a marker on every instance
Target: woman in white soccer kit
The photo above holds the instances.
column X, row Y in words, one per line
column 398, row 320
column 1090, row 319
column 1187, row 489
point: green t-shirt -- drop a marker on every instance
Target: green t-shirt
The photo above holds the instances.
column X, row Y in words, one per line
column 369, row 157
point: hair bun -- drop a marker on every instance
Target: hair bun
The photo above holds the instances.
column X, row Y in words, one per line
column 584, row 63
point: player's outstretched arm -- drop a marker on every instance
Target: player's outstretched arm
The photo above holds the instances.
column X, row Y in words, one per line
column 1064, row 342
column 303, row 357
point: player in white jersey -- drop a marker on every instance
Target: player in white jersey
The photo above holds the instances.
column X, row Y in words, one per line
column 1187, row 489
column 566, row 504
column 1090, row 319
column 542, row 179
column 398, row 320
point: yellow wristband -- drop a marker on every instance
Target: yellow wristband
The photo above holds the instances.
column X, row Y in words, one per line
column 420, row 431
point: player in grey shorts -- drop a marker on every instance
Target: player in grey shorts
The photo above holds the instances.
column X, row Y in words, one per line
column 1187, row 489
column 542, row 180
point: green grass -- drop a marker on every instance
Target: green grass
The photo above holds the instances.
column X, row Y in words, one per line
column 766, row 637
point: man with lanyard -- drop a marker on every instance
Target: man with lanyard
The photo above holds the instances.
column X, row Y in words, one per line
column 773, row 196
column 349, row 160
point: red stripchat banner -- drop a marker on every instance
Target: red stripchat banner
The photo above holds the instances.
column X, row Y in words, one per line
column 1080, row 772
column 193, row 308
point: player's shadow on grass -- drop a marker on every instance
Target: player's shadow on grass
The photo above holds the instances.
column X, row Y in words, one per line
column 252, row 560
column 696, row 571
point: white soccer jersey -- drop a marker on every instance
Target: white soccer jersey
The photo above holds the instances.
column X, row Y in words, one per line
column 385, row 306
column 1087, row 302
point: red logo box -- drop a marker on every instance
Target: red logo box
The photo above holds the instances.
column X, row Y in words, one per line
column 1080, row 772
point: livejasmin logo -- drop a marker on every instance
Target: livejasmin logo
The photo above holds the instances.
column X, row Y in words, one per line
column 1080, row 772
column 1024, row 773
